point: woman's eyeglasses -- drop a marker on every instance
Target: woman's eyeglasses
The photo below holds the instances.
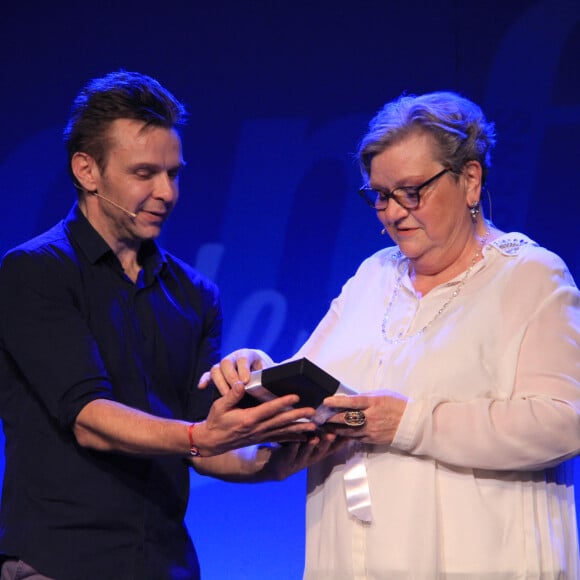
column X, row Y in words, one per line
column 408, row 197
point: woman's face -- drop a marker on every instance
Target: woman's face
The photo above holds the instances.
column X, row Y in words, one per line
column 440, row 231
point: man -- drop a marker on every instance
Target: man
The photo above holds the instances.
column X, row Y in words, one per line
column 103, row 338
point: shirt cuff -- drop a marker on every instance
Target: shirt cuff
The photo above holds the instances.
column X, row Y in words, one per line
column 406, row 434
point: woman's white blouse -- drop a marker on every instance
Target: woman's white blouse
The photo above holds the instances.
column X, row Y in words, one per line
column 475, row 484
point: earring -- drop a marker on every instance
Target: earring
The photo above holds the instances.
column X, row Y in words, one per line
column 383, row 231
column 474, row 211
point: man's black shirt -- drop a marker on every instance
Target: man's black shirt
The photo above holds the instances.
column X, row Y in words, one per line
column 74, row 328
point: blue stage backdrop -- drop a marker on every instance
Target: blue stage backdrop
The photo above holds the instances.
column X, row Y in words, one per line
column 279, row 95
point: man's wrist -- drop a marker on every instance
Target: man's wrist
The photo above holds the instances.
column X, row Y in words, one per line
column 193, row 448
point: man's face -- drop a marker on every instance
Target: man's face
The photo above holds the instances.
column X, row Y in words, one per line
column 141, row 175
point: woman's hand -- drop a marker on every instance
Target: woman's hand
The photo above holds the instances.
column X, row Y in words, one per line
column 235, row 368
column 382, row 413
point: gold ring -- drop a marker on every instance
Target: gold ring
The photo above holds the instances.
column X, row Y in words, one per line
column 354, row 418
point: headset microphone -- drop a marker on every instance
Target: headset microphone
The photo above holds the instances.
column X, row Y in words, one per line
column 131, row 214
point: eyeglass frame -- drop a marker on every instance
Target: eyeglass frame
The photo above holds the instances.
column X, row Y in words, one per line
column 386, row 196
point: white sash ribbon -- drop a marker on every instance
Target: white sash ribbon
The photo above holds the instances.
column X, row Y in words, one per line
column 356, row 485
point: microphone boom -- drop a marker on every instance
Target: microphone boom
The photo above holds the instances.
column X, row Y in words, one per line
column 131, row 214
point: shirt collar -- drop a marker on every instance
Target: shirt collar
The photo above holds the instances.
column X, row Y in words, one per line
column 151, row 256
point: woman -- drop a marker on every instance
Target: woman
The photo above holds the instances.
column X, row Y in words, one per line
column 464, row 344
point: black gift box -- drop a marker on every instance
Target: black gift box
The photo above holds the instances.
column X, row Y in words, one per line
column 302, row 377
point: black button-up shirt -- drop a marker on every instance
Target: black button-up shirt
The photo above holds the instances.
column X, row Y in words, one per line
column 74, row 328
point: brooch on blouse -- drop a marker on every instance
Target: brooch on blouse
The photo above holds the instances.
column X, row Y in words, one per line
column 511, row 246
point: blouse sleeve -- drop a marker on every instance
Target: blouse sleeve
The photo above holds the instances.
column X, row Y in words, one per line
column 539, row 424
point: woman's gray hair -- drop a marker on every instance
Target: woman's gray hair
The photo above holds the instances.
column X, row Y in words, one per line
column 458, row 125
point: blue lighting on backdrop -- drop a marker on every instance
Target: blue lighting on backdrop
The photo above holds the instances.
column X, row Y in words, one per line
column 279, row 95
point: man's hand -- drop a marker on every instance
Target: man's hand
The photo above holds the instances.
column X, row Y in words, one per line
column 235, row 368
column 290, row 458
column 228, row 427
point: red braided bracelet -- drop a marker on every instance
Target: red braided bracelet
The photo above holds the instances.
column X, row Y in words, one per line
column 193, row 448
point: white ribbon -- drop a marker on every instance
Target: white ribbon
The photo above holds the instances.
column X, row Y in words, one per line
column 356, row 485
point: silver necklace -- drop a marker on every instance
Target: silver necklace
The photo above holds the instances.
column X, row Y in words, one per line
column 387, row 316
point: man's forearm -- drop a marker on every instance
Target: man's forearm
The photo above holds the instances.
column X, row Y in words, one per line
column 110, row 426
column 247, row 465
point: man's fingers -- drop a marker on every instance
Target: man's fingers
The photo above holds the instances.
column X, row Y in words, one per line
column 220, row 379
column 239, row 364
column 280, row 412
column 237, row 367
column 204, row 381
column 232, row 396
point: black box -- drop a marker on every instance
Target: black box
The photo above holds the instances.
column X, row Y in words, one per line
column 302, row 377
